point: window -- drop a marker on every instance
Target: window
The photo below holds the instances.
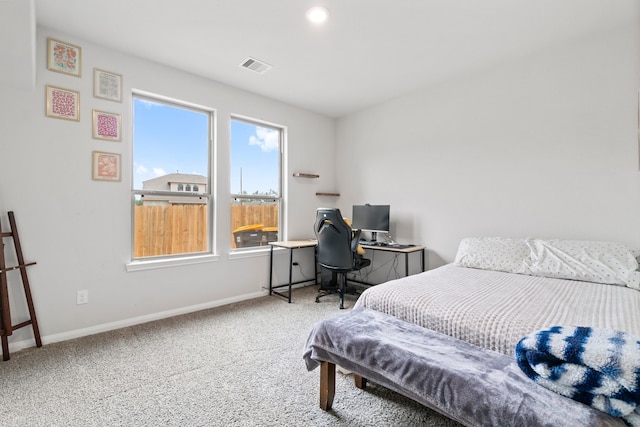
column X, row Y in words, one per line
column 256, row 176
column 171, row 145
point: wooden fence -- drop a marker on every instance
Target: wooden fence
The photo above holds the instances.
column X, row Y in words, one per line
column 179, row 229
column 241, row 215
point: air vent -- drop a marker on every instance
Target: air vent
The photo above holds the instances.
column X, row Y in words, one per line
column 255, row 65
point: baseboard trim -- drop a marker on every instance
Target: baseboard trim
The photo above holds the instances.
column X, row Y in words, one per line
column 105, row 327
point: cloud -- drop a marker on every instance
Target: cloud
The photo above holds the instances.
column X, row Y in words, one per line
column 267, row 139
column 143, row 171
column 158, row 172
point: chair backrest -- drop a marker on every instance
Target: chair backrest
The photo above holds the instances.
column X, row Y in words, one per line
column 334, row 240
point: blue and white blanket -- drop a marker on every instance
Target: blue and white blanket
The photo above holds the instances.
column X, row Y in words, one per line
column 598, row 367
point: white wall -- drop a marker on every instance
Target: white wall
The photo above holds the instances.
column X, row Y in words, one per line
column 79, row 230
column 18, row 24
column 544, row 145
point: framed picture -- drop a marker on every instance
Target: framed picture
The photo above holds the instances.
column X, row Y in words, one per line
column 107, row 125
column 64, row 57
column 63, row 103
column 107, row 85
column 106, row 166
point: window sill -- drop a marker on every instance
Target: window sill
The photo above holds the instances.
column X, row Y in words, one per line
column 170, row 262
column 250, row 253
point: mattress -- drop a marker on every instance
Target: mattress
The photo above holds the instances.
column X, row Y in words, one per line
column 494, row 310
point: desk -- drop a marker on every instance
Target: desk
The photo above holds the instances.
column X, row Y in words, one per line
column 291, row 245
column 406, row 250
column 300, row 244
column 401, row 250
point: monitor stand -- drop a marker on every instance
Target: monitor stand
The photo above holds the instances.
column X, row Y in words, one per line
column 374, row 236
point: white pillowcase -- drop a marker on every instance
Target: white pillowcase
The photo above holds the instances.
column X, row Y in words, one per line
column 602, row 262
column 588, row 261
column 493, row 253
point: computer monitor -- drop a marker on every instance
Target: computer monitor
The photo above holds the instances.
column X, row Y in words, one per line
column 372, row 218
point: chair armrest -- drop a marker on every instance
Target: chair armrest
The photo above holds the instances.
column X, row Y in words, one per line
column 355, row 240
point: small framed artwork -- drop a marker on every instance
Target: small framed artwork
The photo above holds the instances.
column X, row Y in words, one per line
column 107, row 85
column 64, row 57
column 107, row 125
column 106, row 166
column 63, row 103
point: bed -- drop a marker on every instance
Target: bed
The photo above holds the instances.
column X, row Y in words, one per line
column 499, row 290
column 487, row 298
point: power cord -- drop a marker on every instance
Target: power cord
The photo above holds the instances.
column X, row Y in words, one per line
column 304, row 276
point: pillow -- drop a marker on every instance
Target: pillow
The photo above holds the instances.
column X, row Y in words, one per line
column 493, row 253
column 589, row 261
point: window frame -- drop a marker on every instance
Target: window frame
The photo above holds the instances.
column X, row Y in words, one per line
column 281, row 170
column 156, row 261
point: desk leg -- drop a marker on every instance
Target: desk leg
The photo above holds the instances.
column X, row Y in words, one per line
column 406, row 264
column 422, row 259
column 271, row 272
column 315, row 263
column 290, row 272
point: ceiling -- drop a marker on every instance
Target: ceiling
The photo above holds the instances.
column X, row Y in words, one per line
column 368, row 52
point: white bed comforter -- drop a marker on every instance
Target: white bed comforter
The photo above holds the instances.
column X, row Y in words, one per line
column 495, row 310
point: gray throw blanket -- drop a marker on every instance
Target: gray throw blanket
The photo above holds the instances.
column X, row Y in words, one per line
column 472, row 385
column 598, row 367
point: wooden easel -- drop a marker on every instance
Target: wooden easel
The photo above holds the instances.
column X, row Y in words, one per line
column 6, row 327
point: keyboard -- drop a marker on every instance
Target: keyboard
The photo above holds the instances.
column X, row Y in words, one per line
column 399, row 246
column 366, row 243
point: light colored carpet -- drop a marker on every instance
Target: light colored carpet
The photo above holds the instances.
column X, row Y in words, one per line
column 238, row 365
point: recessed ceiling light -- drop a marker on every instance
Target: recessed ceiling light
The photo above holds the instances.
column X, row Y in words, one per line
column 318, row 14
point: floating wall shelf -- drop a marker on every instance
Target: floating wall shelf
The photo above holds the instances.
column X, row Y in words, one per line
column 305, row 175
column 327, row 194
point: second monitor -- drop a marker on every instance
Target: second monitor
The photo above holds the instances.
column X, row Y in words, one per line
column 371, row 218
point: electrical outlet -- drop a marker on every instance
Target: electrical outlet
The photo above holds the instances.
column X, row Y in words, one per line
column 82, row 297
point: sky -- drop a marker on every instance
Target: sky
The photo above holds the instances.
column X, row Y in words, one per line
column 170, row 139
column 254, row 156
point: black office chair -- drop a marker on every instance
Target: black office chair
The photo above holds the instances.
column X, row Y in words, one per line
column 337, row 250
